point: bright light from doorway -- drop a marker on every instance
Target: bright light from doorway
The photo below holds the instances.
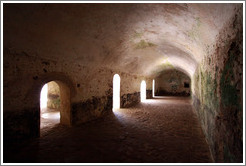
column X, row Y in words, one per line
column 43, row 97
column 153, row 88
column 116, row 91
column 143, row 91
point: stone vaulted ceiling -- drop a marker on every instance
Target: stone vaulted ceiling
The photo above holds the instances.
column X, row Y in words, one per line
column 142, row 39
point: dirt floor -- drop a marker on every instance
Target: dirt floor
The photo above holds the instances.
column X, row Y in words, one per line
column 49, row 119
column 162, row 130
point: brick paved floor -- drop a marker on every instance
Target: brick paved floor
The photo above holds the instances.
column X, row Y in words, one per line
column 162, row 130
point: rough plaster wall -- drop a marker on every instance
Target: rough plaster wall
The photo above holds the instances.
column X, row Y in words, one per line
column 218, row 93
column 91, row 87
column 171, row 82
column 53, row 96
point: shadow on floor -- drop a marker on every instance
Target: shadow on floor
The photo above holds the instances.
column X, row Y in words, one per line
column 155, row 131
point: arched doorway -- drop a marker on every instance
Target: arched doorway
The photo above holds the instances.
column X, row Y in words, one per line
column 50, row 105
column 54, row 105
column 116, row 91
column 143, row 91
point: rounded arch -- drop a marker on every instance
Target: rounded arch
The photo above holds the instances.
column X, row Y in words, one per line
column 178, row 69
column 40, row 80
column 67, row 91
column 59, row 77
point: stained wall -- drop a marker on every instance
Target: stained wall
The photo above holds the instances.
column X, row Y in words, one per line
column 172, row 82
column 218, row 93
column 90, row 91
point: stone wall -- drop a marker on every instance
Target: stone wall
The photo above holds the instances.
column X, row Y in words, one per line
column 149, row 94
column 218, row 93
column 90, row 90
column 172, row 83
column 128, row 100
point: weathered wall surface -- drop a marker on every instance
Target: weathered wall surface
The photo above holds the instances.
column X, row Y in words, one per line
column 218, row 93
column 90, row 90
column 172, row 82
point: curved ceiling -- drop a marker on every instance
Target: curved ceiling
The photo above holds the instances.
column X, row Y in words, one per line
column 143, row 39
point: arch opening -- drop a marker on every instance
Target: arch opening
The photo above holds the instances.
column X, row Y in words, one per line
column 143, row 91
column 116, row 91
column 54, row 105
column 50, row 105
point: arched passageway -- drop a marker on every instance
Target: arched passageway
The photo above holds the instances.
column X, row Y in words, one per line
column 172, row 82
column 50, row 105
column 138, row 41
column 54, row 105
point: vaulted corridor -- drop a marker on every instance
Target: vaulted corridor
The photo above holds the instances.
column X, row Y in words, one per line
column 164, row 129
column 126, row 82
